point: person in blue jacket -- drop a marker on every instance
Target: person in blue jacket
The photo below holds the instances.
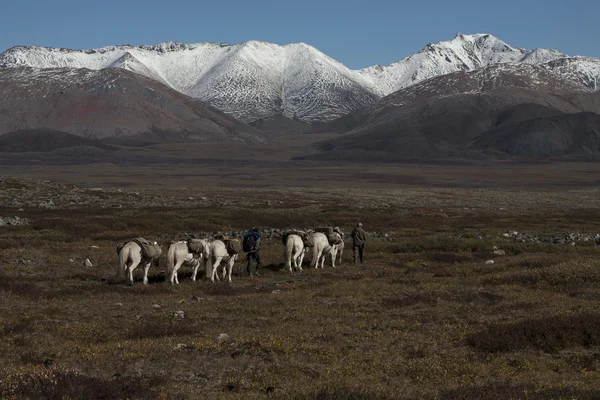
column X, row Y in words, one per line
column 251, row 246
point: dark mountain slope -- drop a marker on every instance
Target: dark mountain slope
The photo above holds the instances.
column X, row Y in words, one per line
column 111, row 104
column 45, row 140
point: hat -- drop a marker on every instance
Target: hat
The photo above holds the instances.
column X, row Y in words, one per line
column 359, row 225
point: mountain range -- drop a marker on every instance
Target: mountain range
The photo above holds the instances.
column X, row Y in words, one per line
column 503, row 110
column 257, row 80
column 471, row 97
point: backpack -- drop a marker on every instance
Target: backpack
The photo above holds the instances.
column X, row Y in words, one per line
column 249, row 243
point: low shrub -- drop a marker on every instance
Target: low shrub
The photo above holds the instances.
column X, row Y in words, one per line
column 547, row 334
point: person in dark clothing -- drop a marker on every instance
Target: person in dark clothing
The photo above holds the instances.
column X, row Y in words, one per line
column 359, row 238
column 251, row 246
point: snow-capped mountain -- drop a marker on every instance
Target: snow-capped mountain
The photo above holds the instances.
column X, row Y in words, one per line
column 491, row 77
column 583, row 70
column 255, row 80
column 251, row 80
column 463, row 53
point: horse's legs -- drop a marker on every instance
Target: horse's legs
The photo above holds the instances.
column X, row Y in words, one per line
column 196, row 266
column 177, row 266
column 229, row 266
column 225, row 264
column 293, row 262
column 333, row 256
column 299, row 259
column 290, row 261
column 315, row 257
column 322, row 258
column 125, row 269
column 146, row 268
column 173, row 277
column 214, row 268
column 130, row 268
column 318, row 258
column 286, row 259
column 340, row 252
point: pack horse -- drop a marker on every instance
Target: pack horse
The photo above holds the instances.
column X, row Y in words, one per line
column 133, row 253
column 189, row 253
column 196, row 252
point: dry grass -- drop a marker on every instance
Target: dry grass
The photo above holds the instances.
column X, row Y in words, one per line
column 425, row 318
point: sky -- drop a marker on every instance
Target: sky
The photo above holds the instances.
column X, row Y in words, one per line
column 356, row 33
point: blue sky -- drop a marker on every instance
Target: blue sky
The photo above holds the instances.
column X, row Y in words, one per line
column 356, row 33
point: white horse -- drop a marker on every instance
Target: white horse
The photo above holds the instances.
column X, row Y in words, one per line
column 294, row 252
column 214, row 253
column 130, row 256
column 178, row 255
column 340, row 247
column 321, row 249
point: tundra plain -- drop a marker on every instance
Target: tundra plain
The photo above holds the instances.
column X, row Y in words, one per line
column 424, row 318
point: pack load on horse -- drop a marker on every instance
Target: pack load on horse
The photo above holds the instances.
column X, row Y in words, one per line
column 149, row 249
column 307, row 239
column 334, row 235
column 233, row 246
column 195, row 247
column 334, row 239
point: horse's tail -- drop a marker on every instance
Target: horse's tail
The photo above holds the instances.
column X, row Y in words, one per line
column 289, row 250
column 123, row 251
column 170, row 261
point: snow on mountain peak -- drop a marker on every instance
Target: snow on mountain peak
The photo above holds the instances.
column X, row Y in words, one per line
column 255, row 79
